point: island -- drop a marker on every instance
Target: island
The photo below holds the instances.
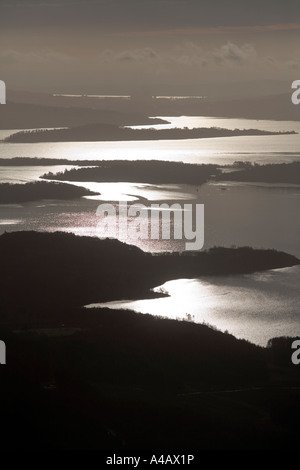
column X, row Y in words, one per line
column 139, row 171
column 110, row 132
column 34, row 191
column 288, row 173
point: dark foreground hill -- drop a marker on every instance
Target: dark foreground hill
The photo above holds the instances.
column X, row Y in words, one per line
column 108, row 380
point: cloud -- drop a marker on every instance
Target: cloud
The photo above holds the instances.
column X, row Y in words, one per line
column 228, row 54
column 142, row 55
column 190, row 57
column 231, row 52
column 145, row 54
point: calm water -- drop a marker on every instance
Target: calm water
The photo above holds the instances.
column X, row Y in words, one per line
column 238, row 214
column 256, row 307
column 26, row 174
column 262, row 149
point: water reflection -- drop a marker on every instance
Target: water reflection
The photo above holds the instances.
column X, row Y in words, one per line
column 244, row 214
column 222, row 150
column 255, row 307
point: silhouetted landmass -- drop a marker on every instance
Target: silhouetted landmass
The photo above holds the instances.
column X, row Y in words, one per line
column 141, row 171
column 84, row 270
column 119, row 379
column 270, row 173
column 12, row 193
column 107, row 132
column 103, row 379
column 31, row 116
column 28, row 161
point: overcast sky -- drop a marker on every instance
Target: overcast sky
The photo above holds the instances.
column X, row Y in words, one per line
column 154, row 46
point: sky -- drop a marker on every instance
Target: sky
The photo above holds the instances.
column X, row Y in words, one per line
column 148, row 46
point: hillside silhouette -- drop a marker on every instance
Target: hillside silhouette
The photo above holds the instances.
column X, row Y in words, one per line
column 35, row 115
column 62, row 269
column 142, row 171
column 270, row 173
column 13, row 193
column 108, row 132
